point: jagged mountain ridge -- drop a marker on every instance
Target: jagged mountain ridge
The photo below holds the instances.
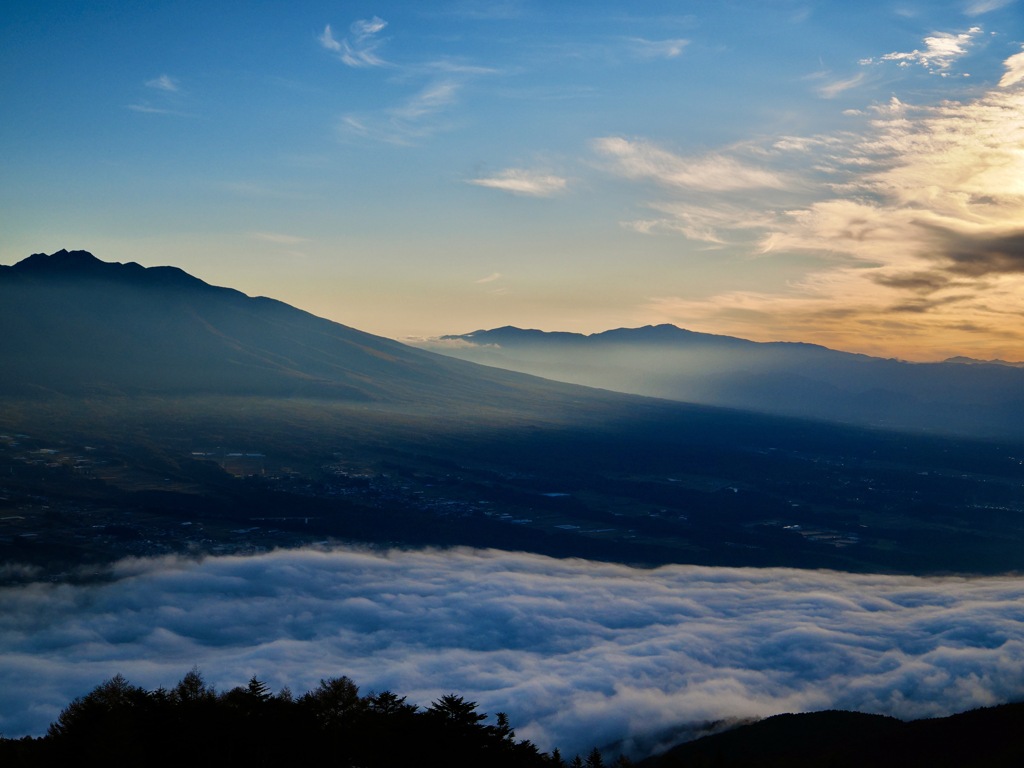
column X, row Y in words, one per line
column 664, row 333
column 783, row 378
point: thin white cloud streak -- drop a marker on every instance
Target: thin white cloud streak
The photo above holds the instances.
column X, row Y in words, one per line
column 836, row 87
column 416, row 118
column 641, row 160
column 986, row 6
column 658, row 49
column 436, row 342
column 163, row 83
column 279, row 238
column 428, row 101
column 489, row 279
column 148, row 110
column 521, row 181
column 715, row 225
column 449, row 66
column 577, row 653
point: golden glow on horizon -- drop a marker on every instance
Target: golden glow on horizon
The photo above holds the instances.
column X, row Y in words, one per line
column 921, row 241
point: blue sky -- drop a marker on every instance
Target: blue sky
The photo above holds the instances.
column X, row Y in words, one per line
column 814, row 171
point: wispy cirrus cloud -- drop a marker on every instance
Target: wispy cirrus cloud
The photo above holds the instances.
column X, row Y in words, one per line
column 979, row 7
column 456, row 67
column 166, row 101
column 835, row 87
column 429, row 100
column 711, row 192
column 163, row 83
column 279, row 238
column 641, row 160
column 658, row 49
column 577, row 653
column 941, row 51
column 359, row 49
column 521, row 181
column 715, row 225
column 409, row 121
column 416, row 115
column 150, row 110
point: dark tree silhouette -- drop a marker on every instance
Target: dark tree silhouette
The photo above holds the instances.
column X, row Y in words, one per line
column 193, row 689
column 454, row 709
column 388, row 703
column 119, row 724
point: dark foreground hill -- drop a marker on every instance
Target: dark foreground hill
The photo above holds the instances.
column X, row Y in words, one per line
column 144, row 412
column 959, row 396
column 982, row 738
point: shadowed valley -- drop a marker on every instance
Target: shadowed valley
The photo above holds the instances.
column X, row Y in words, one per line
column 146, row 412
column 959, row 396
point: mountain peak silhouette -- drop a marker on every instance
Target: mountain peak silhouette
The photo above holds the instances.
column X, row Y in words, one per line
column 75, row 265
column 60, row 261
column 73, row 323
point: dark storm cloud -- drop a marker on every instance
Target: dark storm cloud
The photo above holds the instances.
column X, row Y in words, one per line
column 923, row 304
column 978, row 255
column 923, row 283
column 576, row 652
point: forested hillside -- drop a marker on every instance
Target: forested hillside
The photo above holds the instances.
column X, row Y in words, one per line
column 120, row 724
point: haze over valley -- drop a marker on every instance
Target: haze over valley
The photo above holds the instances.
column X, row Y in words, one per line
column 958, row 396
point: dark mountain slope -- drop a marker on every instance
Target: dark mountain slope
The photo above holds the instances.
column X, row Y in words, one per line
column 987, row 737
column 793, row 379
column 74, row 324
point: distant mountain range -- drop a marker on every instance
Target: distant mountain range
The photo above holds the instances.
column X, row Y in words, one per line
column 960, row 395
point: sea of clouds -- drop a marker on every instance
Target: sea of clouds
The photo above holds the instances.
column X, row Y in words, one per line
column 577, row 653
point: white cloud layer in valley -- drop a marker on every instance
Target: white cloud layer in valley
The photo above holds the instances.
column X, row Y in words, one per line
column 576, row 652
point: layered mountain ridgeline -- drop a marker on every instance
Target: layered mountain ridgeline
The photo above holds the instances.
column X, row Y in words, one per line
column 143, row 412
column 958, row 396
column 986, row 738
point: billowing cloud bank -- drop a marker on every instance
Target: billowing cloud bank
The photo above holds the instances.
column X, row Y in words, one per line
column 910, row 221
column 576, row 652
